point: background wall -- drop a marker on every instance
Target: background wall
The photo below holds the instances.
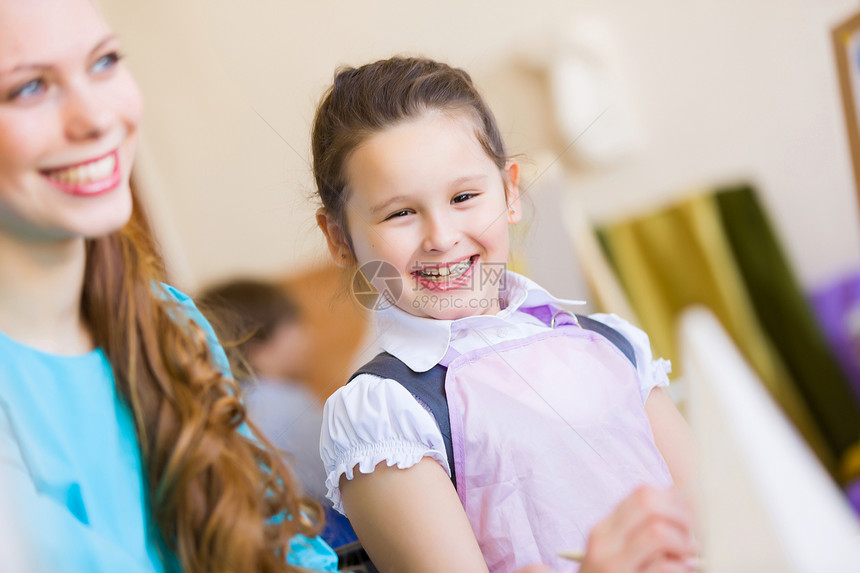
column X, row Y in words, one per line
column 723, row 90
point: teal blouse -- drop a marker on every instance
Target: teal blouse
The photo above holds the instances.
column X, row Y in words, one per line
column 71, row 469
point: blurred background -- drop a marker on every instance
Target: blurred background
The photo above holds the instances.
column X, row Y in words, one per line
column 717, row 91
column 674, row 153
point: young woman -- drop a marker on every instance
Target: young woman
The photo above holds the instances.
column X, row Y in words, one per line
column 120, row 447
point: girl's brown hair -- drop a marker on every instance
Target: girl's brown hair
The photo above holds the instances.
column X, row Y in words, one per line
column 223, row 502
column 366, row 100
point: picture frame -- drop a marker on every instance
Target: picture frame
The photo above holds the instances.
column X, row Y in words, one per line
column 846, row 47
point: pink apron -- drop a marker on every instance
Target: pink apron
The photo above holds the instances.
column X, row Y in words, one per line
column 549, row 433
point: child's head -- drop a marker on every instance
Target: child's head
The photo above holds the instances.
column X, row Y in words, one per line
column 265, row 321
column 411, row 170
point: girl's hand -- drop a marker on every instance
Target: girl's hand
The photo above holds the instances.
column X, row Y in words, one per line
column 650, row 531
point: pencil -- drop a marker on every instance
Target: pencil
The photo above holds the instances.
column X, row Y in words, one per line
column 577, row 556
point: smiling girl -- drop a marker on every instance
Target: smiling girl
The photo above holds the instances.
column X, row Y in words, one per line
column 498, row 428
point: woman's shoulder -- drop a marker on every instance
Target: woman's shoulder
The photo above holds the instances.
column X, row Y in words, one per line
column 183, row 301
column 174, row 293
column 191, row 312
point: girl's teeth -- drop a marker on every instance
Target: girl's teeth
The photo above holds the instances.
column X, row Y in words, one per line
column 443, row 273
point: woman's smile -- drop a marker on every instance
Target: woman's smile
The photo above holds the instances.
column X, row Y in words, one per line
column 89, row 177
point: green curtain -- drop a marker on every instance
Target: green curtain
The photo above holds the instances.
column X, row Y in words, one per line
column 719, row 250
column 787, row 317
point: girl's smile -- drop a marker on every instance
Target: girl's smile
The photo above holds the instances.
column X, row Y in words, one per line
column 425, row 197
column 444, row 277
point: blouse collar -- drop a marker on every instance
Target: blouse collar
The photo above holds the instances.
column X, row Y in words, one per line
column 421, row 343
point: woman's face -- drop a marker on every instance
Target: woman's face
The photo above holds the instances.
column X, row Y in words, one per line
column 69, row 114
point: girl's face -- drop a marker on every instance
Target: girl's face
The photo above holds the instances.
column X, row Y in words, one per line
column 69, row 114
column 426, row 198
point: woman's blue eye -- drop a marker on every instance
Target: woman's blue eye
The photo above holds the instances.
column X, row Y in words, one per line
column 106, row 62
column 30, row 89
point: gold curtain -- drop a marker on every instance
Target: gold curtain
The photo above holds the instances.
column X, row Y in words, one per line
column 680, row 256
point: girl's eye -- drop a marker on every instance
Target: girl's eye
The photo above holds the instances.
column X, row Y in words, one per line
column 28, row 90
column 461, row 197
column 106, row 62
column 396, row 214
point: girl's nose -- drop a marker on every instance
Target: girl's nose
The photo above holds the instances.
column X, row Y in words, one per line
column 441, row 234
column 85, row 114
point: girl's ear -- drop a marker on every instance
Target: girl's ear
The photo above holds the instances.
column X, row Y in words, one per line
column 511, row 174
column 335, row 236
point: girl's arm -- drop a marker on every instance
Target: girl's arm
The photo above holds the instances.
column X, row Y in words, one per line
column 411, row 520
column 672, row 435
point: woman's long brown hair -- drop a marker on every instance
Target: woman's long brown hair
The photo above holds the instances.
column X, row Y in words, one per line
column 223, row 502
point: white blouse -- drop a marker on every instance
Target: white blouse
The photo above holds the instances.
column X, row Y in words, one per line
column 372, row 419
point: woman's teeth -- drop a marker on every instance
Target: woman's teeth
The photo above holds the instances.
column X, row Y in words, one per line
column 87, row 173
column 448, row 273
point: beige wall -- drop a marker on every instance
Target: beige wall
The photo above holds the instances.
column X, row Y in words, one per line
column 724, row 90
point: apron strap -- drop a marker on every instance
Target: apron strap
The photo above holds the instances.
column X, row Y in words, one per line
column 609, row 333
column 428, row 388
column 553, row 318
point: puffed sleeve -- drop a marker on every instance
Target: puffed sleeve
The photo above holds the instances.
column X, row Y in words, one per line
column 371, row 420
column 652, row 371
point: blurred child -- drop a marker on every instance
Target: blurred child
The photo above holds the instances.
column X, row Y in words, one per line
column 272, row 344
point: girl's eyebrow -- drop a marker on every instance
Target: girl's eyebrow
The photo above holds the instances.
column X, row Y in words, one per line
column 455, row 183
column 468, row 178
column 42, row 67
column 386, row 204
